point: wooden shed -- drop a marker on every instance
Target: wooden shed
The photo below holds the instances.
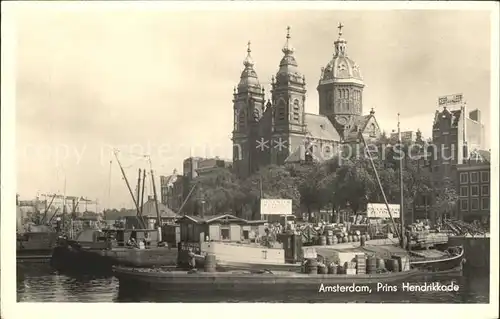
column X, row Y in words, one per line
column 224, row 227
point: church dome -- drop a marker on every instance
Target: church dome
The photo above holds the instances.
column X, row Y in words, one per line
column 341, row 68
column 249, row 77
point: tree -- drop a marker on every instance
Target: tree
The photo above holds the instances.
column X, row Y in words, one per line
column 275, row 182
column 309, row 179
column 445, row 199
column 217, row 191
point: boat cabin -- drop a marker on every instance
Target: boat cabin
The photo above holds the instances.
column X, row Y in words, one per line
column 108, row 238
column 224, row 227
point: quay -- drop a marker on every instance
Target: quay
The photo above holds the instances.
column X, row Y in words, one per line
column 477, row 250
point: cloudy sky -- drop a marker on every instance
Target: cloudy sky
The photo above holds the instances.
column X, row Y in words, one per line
column 161, row 82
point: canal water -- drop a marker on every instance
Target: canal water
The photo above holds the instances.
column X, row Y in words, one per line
column 39, row 283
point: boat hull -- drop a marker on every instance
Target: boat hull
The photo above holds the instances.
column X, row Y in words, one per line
column 101, row 261
column 440, row 264
column 35, row 246
column 177, row 280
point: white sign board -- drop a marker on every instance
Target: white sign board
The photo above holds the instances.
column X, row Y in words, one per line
column 380, row 210
column 450, row 99
column 275, row 206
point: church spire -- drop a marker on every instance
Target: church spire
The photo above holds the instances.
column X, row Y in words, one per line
column 288, row 49
column 248, row 62
column 340, row 44
column 248, row 76
column 288, row 64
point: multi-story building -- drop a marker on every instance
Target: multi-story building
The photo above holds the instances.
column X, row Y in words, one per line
column 455, row 134
column 172, row 190
column 474, row 188
column 279, row 130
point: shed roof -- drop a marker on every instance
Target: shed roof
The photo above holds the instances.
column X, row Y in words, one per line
column 214, row 218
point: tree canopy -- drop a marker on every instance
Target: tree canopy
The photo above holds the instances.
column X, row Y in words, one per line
column 346, row 182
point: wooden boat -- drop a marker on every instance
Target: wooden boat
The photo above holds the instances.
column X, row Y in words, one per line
column 35, row 245
column 436, row 260
column 165, row 279
column 34, row 240
column 95, row 252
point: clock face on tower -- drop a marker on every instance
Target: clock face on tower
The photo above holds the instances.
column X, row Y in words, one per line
column 342, row 120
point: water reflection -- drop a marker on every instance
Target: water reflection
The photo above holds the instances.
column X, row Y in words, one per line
column 39, row 283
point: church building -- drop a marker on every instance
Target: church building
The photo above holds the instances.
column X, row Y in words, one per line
column 279, row 131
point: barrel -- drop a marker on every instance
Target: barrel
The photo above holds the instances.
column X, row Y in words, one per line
column 362, row 240
column 332, row 269
column 335, row 240
column 322, row 269
column 329, row 233
column 380, row 263
column 322, row 240
column 329, row 240
column 367, row 237
column 349, row 239
column 311, row 266
column 371, row 264
column 344, row 239
column 340, row 270
column 392, row 265
column 355, row 238
column 210, row 263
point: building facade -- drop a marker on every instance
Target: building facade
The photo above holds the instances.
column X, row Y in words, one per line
column 474, row 188
column 279, row 131
column 455, row 135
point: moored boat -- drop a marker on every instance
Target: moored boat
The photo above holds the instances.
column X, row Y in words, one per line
column 164, row 279
column 96, row 252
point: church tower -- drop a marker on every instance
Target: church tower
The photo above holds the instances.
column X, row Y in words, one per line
column 288, row 100
column 248, row 107
column 340, row 88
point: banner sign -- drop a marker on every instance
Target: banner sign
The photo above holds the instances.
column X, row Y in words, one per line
column 380, row 210
column 450, row 99
column 194, row 247
column 275, row 206
column 406, row 136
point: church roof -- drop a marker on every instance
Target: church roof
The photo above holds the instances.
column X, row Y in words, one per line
column 320, row 127
column 360, row 122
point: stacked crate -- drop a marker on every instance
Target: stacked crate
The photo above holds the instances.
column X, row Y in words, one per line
column 361, row 264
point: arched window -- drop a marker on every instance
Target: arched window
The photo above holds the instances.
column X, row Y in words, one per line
column 281, row 111
column 347, row 93
column 242, row 119
column 296, row 110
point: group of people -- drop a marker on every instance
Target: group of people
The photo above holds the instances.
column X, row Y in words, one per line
column 140, row 244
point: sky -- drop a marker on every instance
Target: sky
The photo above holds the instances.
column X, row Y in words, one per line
column 161, row 82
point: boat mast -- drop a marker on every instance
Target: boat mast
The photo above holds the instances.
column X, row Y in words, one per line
column 187, row 197
column 115, row 152
column 158, row 216
column 401, row 193
column 379, row 183
column 143, row 184
column 109, row 185
column 139, row 191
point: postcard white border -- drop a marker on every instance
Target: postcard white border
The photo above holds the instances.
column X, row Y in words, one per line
column 11, row 309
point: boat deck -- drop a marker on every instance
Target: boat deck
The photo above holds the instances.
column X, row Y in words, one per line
column 167, row 280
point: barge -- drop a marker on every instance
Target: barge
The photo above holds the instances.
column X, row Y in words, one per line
column 168, row 280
